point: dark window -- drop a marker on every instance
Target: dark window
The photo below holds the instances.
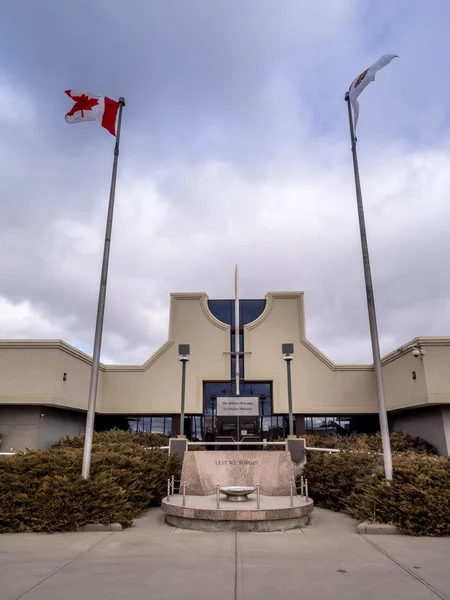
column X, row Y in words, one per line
column 342, row 424
column 211, row 391
column 157, row 425
column 221, row 309
column 251, row 310
column 194, row 428
column 274, row 427
column 168, row 426
column 257, row 389
column 232, row 313
column 263, row 390
column 133, row 423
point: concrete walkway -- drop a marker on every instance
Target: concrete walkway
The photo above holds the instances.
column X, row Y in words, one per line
column 327, row 560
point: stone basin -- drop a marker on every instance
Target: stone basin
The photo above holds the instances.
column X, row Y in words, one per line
column 237, row 493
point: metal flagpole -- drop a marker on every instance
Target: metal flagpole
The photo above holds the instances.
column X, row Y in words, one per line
column 384, row 426
column 237, row 338
column 100, row 310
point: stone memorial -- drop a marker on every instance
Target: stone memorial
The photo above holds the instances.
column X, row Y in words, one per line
column 267, row 498
column 203, row 471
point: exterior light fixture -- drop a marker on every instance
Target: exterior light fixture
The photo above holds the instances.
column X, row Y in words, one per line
column 184, row 351
column 288, row 352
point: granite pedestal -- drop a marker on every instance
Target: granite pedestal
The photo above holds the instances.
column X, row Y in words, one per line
column 201, row 513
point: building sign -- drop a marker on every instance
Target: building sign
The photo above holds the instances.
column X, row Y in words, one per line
column 238, row 406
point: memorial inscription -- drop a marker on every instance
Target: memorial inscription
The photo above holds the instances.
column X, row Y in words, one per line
column 203, row 471
column 237, row 462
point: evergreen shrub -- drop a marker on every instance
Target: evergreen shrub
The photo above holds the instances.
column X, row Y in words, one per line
column 43, row 490
column 417, row 500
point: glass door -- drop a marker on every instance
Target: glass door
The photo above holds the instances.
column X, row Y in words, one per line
column 227, row 427
column 249, row 429
column 237, row 429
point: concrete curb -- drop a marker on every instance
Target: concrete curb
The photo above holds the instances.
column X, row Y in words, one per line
column 100, row 527
column 378, row 529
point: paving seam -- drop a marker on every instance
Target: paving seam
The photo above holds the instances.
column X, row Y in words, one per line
column 404, row 567
column 235, row 565
column 63, row 567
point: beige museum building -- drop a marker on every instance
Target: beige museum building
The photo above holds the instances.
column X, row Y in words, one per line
column 44, row 383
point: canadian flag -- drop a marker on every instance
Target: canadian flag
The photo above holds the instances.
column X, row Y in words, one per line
column 90, row 107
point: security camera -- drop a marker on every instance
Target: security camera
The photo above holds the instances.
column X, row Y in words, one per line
column 288, row 357
column 416, row 352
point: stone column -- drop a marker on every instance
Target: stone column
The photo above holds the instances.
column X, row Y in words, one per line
column 178, row 446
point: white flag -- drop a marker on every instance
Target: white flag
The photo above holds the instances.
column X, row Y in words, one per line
column 364, row 79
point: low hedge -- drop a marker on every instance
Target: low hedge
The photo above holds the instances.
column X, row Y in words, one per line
column 400, row 442
column 43, row 490
column 333, row 478
column 116, row 437
column 417, row 500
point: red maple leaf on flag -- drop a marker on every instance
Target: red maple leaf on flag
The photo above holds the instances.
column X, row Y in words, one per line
column 82, row 103
column 91, row 107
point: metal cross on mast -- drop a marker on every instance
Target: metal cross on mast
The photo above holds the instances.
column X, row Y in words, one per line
column 236, row 328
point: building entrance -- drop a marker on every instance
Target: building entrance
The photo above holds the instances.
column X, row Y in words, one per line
column 238, row 429
column 247, row 417
column 237, row 418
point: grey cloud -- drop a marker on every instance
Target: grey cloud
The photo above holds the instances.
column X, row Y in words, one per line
column 235, row 149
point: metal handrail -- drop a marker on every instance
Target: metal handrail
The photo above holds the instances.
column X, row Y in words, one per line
column 329, row 450
column 263, row 443
column 220, row 443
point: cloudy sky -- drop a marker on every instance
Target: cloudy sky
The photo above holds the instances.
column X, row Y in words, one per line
column 235, row 149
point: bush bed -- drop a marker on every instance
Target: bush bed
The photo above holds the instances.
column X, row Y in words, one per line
column 417, row 500
column 43, row 490
column 400, row 442
column 115, row 438
column 333, row 478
